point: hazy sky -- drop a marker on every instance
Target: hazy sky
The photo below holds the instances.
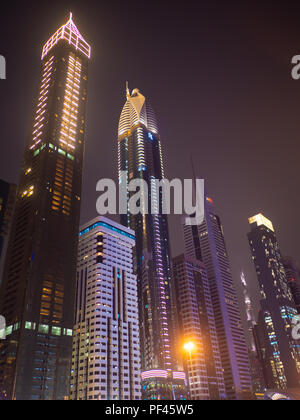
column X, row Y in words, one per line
column 218, row 75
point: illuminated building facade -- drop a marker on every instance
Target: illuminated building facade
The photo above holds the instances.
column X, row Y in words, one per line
column 7, row 204
column 292, row 271
column 249, row 309
column 38, row 292
column 197, row 326
column 206, row 243
column 106, row 347
column 140, row 157
column 278, row 308
column 264, row 351
column 160, row 384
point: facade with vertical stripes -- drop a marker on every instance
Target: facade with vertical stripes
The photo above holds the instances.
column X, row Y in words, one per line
column 38, row 289
column 106, row 348
column 7, row 205
column 197, row 325
column 140, row 157
column 279, row 312
column 206, row 242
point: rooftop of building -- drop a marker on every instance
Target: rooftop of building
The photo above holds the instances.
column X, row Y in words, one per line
column 105, row 222
column 70, row 33
column 261, row 220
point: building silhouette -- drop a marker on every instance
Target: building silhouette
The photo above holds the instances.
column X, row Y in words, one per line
column 7, row 205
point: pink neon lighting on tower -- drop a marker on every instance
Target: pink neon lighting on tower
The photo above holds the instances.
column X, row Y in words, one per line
column 71, row 34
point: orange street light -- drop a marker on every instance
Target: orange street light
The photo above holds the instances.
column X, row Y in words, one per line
column 189, row 346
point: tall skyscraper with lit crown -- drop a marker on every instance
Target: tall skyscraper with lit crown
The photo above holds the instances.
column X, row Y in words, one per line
column 38, row 290
column 140, row 157
column 277, row 317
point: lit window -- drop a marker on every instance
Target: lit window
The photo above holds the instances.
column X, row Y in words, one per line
column 56, row 331
column 44, row 329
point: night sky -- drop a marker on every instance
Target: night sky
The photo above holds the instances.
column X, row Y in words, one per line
column 218, row 75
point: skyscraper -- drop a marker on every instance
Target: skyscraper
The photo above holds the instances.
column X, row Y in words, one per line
column 264, row 352
column 292, row 271
column 106, row 347
column 206, row 243
column 278, row 308
column 197, row 329
column 258, row 383
column 140, row 157
column 249, row 309
column 7, row 204
column 38, row 290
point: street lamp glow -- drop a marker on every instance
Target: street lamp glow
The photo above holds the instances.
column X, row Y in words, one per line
column 189, row 346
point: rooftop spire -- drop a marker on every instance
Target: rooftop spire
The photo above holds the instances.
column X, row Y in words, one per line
column 71, row 34
column 127, row 90
column 136, row 111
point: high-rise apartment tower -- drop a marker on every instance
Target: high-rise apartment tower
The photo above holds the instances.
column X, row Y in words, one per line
column 38, row 291
column 197, row 329
column 140, row 158
column 206, row 243
column 106, row 346
column 278, row 308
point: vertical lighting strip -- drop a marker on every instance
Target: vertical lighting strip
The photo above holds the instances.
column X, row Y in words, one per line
column 125, row 120
column 134, row 117
column 42, row 103
column 277, row 365
column 121, row 145
column 161, row 160
column 140, row 150
column 161, row 280
column 68, row 130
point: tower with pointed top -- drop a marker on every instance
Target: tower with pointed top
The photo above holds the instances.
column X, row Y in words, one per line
column 140, row 157
column 38, row 291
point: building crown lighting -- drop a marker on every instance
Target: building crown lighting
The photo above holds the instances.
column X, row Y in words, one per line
column 261, row 220
column 136, row 111
column 71, row 34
